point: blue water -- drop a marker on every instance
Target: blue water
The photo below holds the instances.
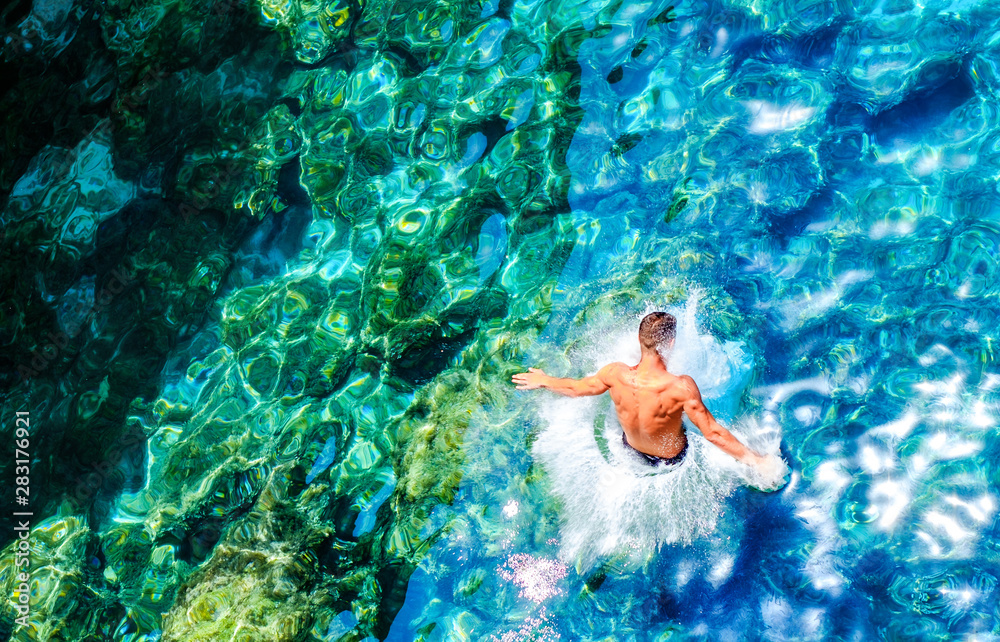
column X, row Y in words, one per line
column 339, row 230
column 842, row 212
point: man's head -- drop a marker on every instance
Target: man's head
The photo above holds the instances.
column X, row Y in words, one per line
column 657, row 328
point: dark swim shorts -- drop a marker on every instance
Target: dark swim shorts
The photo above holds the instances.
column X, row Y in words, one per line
column 655, row 461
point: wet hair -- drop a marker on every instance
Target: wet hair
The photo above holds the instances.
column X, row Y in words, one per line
column 657, row 328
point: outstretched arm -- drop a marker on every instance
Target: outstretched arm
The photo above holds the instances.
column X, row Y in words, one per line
column 715, row 433
column 587, row 386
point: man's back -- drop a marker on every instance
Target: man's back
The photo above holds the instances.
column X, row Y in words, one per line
column 649, row 399
column 649, row 403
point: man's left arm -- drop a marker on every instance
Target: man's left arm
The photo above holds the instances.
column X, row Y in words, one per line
column 694, row 408
column 587, row 386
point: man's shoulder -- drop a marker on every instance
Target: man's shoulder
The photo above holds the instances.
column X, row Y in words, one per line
column 686, row 384
column 612, row 368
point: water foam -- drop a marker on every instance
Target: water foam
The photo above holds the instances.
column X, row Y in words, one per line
column 614, row 504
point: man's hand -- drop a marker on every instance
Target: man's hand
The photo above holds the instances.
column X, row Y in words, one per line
column 588, row 386
column 768, row 473
column 530, row 380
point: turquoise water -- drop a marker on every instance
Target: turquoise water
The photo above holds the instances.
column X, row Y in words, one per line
column 268, row 268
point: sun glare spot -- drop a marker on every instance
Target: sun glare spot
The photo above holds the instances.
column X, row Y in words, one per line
column 830, row 474
column 919, row 463
column 932, row 544
column 685, row 571
column 721, row 571
column 537, row 577
column 949, row 525
column 829, row 582
column 928, row 162
column 990, row 382
column 898, row 499
column 980, row 511
column 979, row 417
column 899, row 428
column 768, row 117
column 758, row 193
column 807, row 415
column 721, row 40
column 874, row 462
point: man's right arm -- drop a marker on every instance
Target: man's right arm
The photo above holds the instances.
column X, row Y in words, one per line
column 715, row 433
column 585, row 387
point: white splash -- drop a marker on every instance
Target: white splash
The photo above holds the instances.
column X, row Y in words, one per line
column 616, row 504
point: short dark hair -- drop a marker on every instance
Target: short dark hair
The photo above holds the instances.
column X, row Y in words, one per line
column 657, row 328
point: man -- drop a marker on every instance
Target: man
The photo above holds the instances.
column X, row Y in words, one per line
column 649, row 400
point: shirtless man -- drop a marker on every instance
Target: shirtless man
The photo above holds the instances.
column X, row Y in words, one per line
column 649, row 400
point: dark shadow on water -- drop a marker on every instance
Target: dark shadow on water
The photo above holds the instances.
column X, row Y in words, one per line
column 871, row 577
column 813, row 49
column 942, row 91
column 779, row 358
column 290, row 190
column 771, row 528
column 494, row 129
column 786, row 225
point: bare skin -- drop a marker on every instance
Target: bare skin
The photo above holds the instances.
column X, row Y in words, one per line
column 650, row 402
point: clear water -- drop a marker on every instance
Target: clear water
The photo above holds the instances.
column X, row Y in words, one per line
column 269, row 266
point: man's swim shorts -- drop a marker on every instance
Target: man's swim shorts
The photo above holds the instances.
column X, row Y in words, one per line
column 656, row 461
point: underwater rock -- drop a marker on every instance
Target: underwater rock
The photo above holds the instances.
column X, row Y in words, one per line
column 432, row 431
column 60, row 553
column 246, row 594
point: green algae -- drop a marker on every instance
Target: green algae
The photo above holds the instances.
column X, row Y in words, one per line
column 252, row 591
